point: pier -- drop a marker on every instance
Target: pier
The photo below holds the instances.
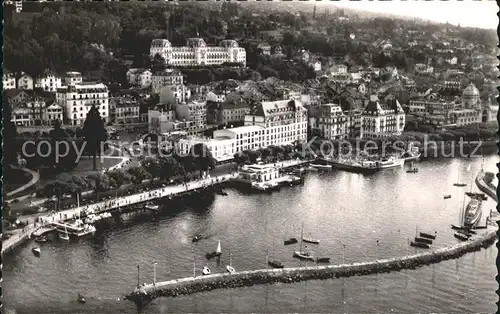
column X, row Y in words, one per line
column 124, row 201
column 486, row 187
column 143, row 294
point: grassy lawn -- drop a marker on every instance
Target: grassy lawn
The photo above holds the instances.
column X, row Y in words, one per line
column 84, row 167
column 15, row 178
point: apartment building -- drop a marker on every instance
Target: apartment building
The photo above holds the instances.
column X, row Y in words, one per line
column 164, row 78
column 48, row 82
column 76, row 100
column 382, row 120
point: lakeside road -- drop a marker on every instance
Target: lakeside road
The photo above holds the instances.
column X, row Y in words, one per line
column 99, row 207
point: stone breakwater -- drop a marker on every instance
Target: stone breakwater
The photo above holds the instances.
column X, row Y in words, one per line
column 185, row 286
column 485, row 185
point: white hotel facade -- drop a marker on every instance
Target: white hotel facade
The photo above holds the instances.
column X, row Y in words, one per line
column 197, row 53
column 271, row 123
column 76, row 101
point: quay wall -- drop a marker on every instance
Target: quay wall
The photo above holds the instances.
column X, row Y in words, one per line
column 191, row 285
column 485, row 187
column 124, row 201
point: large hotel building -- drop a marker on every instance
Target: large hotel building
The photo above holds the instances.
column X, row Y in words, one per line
column 197, row 53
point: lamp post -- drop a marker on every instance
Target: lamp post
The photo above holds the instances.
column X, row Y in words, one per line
column 138, row 278
column 154, row 273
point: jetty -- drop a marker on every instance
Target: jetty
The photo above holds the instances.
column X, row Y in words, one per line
column 143, row 294
column 485, row 186
column 170, row 191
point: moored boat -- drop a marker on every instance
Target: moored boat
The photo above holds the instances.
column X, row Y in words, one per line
column 447, row 196
column 423, row 240
column 420, row 245
column 230, row 269
column 36, row 251
column 460, row 184
column 473, row 212
column 81, row 299
column 321, row 167
column 428, row 235
column 309, row 240
column 461, row 236
column 41, row 239
column 390, row 162
column 291, row 241
column 351, row 165
column 206, row 271
column 151, row 206
column 323, row 260
column 303, row 255
column 197, row 238
column 275, row 264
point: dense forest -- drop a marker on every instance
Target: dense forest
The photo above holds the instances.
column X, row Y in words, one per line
column 101, row 36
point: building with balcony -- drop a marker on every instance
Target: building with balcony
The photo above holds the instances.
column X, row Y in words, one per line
column 48, row 82
column 382, row 120
column 197, row 53
column 76, row 101
column 124, row 110
column 193, row 111
column 332, row 123
column 167, row 77
column 53, row 113
column 285, row 121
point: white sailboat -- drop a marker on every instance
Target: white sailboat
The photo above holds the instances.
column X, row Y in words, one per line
column 460, row 183
column 230, row 268
column 303, row 254
column 218, row 252
column 64, row 236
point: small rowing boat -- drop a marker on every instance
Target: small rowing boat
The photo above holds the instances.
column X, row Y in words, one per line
column 206, row 271
column 420, row 245
column 309, row 240
column 291, row 241
column 323, row 260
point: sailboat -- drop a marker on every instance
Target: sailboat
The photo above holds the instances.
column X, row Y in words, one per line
column 218, row 252
column 230, row 268
column 459, row 183
column 274, row 263
column 303, row 254
column 64, row 236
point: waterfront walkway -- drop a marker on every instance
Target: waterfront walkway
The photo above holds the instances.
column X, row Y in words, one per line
column 108, row 205
column 189, row 285
column 486, row 187
column 35, row 177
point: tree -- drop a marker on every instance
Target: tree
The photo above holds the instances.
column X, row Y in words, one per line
column 138, row 174
column 203, row 159
column 158, row 64
column 94, row 133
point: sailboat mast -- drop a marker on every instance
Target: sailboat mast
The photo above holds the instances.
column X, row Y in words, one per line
column 301, row 237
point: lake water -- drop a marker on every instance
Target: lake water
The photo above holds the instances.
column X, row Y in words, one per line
column 335, row 207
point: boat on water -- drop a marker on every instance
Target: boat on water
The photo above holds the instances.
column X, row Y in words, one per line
column 217, row 253
column 310, row 240
column 41, row 239
column 447, row 196
column 303, row 254
column 197, row 238
column 420, row 245
column 151, row 206
column 390, row 162
column 321, row 167
column 323, row 260
column 460, row 184
column 206, row 271
column 81, row 299
column 428, row 235
column 352, row 165
column 473, row 212
column 86, row 230
column 412, row 154
column 64, row 236
column 461, row 236
column 36, row 251
column 291, row 241
column 275, row 264
column 414, row 170
column 230, row 268
column 423, row 240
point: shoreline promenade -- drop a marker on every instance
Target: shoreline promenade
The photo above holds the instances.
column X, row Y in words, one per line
column 123, row 201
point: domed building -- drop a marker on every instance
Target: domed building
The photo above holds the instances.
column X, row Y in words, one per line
column 471, row 96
